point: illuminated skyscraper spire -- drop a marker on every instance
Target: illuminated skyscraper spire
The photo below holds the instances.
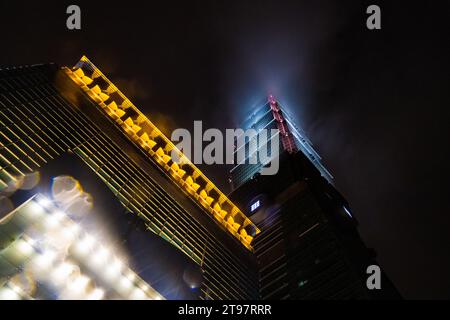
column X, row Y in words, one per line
column 272, row 115
column 286, row 136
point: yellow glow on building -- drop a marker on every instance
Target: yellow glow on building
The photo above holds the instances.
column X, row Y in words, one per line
column 157, row 146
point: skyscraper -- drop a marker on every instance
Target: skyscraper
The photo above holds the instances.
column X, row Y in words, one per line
column 47, row 111
column 300, row 241
column 270, row 115
column 309, row 247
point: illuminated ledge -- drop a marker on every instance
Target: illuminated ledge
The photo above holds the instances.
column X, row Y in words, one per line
column 159, row 148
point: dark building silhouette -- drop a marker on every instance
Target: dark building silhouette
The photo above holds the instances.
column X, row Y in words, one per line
column 309, row 247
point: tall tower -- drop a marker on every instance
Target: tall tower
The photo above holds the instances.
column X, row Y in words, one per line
column 309, row 247
column 47, row 112
column 291, row 138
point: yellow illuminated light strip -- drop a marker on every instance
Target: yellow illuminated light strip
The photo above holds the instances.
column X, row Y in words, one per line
column 142, row 131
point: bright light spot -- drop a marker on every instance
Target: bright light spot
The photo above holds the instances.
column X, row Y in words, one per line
column 271, row 99
column 347, row 212
column 84, row 246
column 138, row 294
column 59, row 215
column 24, row 247
column 114, row 269
column 79, row 284
column 44, row 202
column 63, row 271
column 130, row 275
column 45, row 260
column 8, row 294
column 255, row 206
column 34, row 210
column 125, row 284
column 14, row 287
column 97, row 294
column 51, row 222
column 100, row 256
column 69, row 232
column 62, row 236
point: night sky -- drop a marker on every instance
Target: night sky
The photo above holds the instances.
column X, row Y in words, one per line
column 374, row 103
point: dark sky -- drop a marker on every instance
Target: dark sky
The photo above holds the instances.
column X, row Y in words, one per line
column 374, row 103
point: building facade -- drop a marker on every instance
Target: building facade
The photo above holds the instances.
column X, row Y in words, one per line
column 47, row 111
column 46, row 255
column 309, row 247
column 286, row 236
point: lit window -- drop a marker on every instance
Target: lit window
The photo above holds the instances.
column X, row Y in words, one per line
column 347, row 212
column 255, row 206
